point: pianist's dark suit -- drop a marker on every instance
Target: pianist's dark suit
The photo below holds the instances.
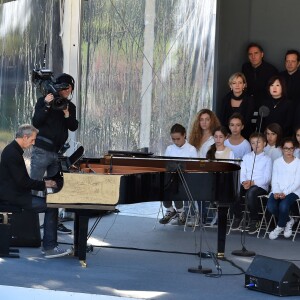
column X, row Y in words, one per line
column 16, row 186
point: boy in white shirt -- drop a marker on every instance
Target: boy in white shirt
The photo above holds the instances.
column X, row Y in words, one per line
column 256, row 171
column 179, row 148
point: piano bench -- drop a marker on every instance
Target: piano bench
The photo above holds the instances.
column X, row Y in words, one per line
column 5, row 230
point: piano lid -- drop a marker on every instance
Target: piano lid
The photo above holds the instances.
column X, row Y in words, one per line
column 166, row 163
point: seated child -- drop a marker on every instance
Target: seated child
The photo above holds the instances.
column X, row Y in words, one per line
column 255, row 178
column 179, row 148
column 273, row 132
column 285, row 189
column 218, row 150
column 236, row 142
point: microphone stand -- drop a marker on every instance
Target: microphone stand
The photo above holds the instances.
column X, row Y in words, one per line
column 199, row 269
column 244, row 252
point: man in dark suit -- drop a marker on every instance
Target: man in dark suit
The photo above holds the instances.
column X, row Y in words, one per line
column 291, row 76
column 16, row 186
column 257, row 73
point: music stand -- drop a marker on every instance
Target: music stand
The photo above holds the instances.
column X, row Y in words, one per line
column 178, row 167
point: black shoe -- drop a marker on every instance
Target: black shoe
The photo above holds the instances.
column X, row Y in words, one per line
column 66, row 219
column 62, row 229
column 168, row 217
column 236, row 224
column 253, row 227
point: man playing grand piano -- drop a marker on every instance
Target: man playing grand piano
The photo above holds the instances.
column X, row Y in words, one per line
column 16, row 186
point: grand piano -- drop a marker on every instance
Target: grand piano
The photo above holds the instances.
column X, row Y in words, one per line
column 125, row 178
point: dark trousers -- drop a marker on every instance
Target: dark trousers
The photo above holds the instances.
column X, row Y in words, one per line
column 252, row 201
column 50, row 221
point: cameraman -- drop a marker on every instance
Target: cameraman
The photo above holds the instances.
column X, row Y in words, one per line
column 53, row 124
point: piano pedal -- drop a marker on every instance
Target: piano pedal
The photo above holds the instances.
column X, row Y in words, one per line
column 89, row 248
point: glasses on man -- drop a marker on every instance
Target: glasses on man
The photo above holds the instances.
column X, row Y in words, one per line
column 288, row 149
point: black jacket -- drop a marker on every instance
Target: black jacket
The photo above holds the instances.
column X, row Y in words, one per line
column 15, row 183
column 281, row 112
column 246, row 109
column 257, row 80
column 292, row 86
column 52, row 125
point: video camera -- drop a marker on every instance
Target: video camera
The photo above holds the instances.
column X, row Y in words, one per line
column 43, row 79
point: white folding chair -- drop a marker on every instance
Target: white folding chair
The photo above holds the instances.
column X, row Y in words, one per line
column 297, row 217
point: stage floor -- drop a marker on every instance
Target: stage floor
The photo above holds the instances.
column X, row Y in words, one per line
column 136, row 257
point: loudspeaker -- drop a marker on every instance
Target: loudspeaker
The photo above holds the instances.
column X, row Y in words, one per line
column 25, row 229
column 273, row 276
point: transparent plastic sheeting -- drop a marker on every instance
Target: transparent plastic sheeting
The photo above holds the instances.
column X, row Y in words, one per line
column 145, row 65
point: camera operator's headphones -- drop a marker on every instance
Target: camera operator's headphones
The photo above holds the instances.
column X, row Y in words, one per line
column 65, row 78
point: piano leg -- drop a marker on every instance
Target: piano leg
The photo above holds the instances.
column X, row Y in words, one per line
column 222, row 225
column 80, row 237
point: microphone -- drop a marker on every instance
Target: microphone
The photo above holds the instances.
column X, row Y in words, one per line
column 264, row 111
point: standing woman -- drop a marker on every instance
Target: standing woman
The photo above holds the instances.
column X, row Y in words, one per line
column 281, row 109
column 285, row 189
column 237, row 101
column 201, row 136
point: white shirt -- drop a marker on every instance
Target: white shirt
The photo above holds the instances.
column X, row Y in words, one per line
column 205, row 147
column 225, row 154
column 262, row 169
column 186, row 150
column 297, row 152
column 239, row 150
column 273, row 152
column 286, row 176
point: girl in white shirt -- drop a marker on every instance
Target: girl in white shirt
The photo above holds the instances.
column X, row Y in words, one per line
column 179, row 148
column 273, row 132
column 236, row 142
column 285, row 188
column 218, row 150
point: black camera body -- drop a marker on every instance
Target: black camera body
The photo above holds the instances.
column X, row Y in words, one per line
column 43, row 79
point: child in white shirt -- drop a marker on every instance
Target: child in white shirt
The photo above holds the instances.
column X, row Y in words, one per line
column 255, row 178
column 273, row 132
column 218, row 150
column 285, row 189
column 179, row 148
column 236, row 142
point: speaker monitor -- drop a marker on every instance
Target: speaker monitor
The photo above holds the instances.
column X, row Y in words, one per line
column 273, row 276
